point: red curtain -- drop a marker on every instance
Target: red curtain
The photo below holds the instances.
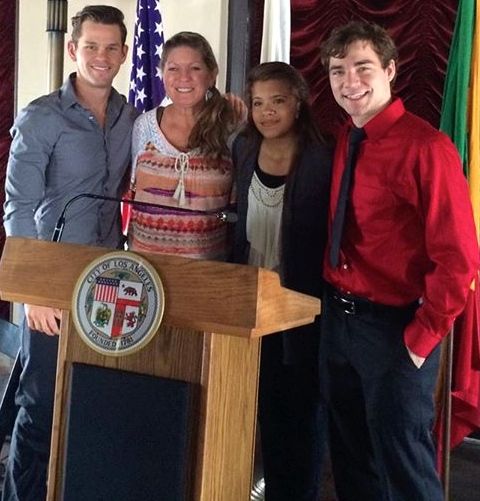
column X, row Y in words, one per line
column 256, row 30
column 422, row 30
column 7, row 83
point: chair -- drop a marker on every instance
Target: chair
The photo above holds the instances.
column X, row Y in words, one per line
column 9, row 345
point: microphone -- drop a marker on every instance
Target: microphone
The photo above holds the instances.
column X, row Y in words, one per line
column 224, row 215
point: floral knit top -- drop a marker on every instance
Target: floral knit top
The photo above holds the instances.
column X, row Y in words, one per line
column 177, row 180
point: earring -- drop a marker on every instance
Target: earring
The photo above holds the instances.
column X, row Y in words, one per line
column 208, row 94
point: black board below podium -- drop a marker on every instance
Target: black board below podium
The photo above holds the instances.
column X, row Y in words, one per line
column 117, row 452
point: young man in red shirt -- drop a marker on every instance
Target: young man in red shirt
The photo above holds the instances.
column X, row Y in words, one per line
column 398, row 269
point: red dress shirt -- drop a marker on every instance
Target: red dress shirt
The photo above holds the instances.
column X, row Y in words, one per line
column 409, row 230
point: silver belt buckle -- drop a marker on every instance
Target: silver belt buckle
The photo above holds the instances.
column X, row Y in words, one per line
column 348, row 306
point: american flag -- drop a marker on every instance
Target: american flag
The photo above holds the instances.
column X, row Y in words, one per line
column 146, row 86
column 106, row 289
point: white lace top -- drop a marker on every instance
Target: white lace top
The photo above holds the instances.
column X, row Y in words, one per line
column 264, row 218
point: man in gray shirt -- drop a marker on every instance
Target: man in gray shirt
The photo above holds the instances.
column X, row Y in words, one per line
column 75, row 140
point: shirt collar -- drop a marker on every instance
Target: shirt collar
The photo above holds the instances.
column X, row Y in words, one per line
column 67, row 92
column 68, row 97
column 381, row 123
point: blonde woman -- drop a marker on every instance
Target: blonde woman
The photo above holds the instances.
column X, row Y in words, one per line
column 181, row 159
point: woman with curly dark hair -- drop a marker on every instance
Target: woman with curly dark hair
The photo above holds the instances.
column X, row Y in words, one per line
column 282, row 173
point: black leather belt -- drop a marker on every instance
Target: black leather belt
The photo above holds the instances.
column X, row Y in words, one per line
column 354, row 305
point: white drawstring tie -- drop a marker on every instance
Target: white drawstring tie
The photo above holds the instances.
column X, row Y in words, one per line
column 181, row 166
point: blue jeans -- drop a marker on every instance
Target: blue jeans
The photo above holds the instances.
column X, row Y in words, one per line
column 26, row 473
column 380, row 407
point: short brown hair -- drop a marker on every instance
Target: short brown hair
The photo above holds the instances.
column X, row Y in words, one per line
column 103, row 14
column 342, row 37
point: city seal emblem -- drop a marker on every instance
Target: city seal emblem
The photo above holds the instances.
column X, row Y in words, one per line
column 118, row 303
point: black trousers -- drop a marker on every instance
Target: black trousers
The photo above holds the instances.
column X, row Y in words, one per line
column 292, row 422
column 380, row 407
column 26, row 473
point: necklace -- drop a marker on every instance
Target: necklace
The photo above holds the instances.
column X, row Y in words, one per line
column 268, row 197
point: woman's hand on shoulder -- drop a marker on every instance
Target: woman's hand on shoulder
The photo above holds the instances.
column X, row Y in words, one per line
column 240, row 110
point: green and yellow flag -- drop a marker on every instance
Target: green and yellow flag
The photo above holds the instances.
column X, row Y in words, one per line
column 473, row 171
column 454, row 117
column 461, row 121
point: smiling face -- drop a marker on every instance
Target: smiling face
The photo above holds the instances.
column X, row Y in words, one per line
column 99, row 53
column 186, row 77
column 274, row 108
column 359, row 82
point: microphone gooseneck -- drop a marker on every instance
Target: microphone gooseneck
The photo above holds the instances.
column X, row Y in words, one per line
column 225, row 216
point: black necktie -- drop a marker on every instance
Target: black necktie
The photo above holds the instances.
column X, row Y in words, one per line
column 356, row 137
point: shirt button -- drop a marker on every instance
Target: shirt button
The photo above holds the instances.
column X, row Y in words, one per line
column 345, row 266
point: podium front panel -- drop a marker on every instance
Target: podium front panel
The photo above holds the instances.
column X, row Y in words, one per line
column 127, row 437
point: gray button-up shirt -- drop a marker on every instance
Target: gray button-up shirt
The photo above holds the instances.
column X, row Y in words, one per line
column 59, row 151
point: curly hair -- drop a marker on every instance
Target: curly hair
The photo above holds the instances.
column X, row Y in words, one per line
column 216, row 120
column 340, row 39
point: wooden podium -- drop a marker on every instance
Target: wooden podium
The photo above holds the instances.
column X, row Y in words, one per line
column 215, row 314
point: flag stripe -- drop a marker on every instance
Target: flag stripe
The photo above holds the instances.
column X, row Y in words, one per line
column 106, row 293
column 474, row 142
column 453, row 120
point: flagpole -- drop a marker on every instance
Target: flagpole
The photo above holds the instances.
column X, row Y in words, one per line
column 447, row 413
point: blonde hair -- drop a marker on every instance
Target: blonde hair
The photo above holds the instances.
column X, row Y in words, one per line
column 216, row 120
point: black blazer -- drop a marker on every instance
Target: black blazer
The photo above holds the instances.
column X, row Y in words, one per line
column 303, row 232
